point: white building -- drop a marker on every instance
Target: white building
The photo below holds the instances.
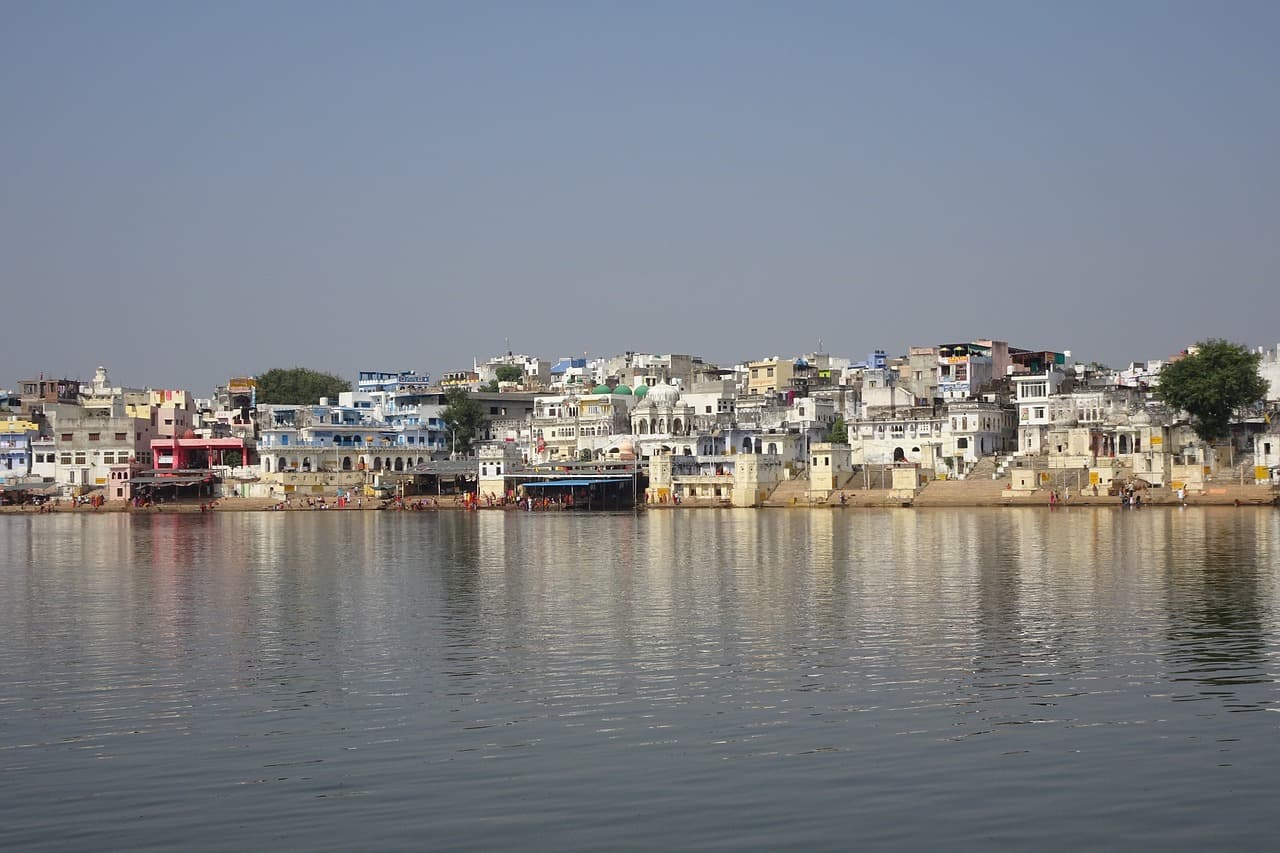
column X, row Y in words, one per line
column 1032, row 393
column 1269, row 369
column 912, row 435
column 567, row 425
column 975, row 428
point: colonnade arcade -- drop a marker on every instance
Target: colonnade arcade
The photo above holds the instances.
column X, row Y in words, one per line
column 343, row 459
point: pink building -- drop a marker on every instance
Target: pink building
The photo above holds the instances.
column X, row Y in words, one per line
column 190, row 452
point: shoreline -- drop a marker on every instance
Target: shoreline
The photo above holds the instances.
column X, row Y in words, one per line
column 1234, row 496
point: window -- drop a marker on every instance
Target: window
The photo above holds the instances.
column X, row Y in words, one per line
column 962, row 443
column 80, row 457
column 95, row 436
column 64, row 459
column 1039, row 411
column 66, row 436
column 120, row 436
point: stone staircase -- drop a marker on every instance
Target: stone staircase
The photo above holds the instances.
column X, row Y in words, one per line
column 791, row 492
column 983, row 469
column 976, row 490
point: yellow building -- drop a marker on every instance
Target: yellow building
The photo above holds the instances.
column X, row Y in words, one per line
column 769, row 376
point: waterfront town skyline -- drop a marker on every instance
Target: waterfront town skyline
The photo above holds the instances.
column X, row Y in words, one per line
column 744, row 434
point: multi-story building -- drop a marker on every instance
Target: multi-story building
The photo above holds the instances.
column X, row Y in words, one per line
column 325, row 438
column 567, row 426
column 964, row 369
column 1269, row 369
column 1032, row 394
column 568, row 374
column 921, row 375
column 911, row 434
column 508, row 415
column 35, row 394
column 976, row 428
column 91, row 441
column 16, row 435
column 769, row 376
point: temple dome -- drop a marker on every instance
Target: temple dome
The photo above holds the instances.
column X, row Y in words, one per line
column 622, row 389
column 663, row 393
column 602, row 389
column 641, row 391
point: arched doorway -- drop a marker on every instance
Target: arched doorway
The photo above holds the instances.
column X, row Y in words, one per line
column 346, row 463
column 899, row 455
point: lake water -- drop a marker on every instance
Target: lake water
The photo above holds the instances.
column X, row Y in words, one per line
column 683, row 680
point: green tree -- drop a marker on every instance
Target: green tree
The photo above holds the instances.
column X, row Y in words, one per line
column 298, row 385
column 509, row 373
column 464, row 417
column 839, row 432
column 1212, row 384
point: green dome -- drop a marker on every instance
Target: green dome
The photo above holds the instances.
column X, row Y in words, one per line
column 622, row 389
column 641, row 390
column 601, row 389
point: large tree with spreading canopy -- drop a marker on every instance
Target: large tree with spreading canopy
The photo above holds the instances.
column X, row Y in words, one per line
column 1211, row 384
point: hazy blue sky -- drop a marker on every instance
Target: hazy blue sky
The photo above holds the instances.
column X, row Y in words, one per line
column 191, row 191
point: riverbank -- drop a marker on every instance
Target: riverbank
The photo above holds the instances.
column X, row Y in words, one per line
column 230, row 504
column 954, row 495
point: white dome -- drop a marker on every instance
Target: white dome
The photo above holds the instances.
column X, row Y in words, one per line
column 663, row 393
